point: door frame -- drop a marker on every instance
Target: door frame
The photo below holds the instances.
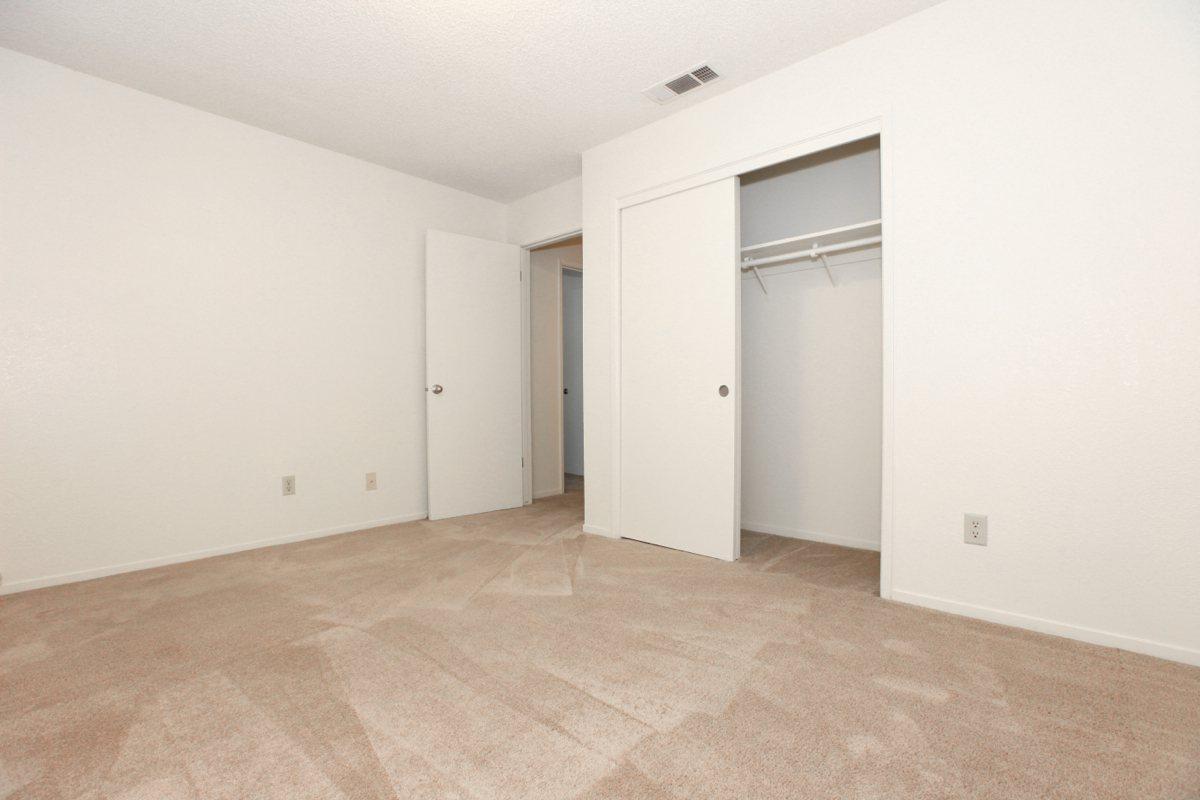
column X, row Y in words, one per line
column 527, row 363
column 815, row 142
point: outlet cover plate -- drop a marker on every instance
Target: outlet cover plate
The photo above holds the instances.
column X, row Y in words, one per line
column 975, row 529
column 289, row 484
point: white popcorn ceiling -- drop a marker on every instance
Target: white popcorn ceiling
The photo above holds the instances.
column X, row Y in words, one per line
column 495, row 98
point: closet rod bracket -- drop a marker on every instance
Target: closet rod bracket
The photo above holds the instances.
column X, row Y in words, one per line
column 825, row 263
column 758, row 276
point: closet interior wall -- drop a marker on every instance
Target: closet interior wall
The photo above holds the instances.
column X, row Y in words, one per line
column 812, row 358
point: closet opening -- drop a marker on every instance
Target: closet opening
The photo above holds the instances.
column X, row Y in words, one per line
column 556, row 367
column 812, row 365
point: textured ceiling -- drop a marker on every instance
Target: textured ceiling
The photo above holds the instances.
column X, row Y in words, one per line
column 497, row 98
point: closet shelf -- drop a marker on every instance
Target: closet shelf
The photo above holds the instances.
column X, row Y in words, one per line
column 856, row 234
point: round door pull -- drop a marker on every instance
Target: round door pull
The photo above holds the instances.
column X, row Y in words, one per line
column 437, row 388
column 723, row 391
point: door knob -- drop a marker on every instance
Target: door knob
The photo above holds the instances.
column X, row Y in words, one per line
column 437, row 388
column 723, row 390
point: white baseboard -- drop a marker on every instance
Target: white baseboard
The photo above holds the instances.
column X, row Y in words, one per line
column 812, row 536
column 538, row 495
column 597, row 529
column 195, row 555
column 1170, row 652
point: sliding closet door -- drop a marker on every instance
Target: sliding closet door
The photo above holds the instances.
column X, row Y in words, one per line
column 679, row 371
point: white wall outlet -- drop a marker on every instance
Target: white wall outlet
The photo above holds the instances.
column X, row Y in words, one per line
column 975, row 529
column 289, row 484
column 372, row 484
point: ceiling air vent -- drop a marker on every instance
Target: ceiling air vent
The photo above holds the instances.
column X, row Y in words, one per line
column 692, row 79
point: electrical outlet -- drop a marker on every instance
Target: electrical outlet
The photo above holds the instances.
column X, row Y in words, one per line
column 372, row 484
column 289, row 484
column 975, row 529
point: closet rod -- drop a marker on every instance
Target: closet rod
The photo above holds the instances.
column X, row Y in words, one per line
column 813, row 252
column 808, row 267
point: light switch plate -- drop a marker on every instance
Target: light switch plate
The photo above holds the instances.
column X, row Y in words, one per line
column 372, row 484
column 289, row 484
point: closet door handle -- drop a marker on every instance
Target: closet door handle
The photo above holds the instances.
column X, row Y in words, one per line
column 437, row 388
column 723, row 390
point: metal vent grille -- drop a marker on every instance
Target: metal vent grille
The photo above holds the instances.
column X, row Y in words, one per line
column 694, row 78
column 683, row 84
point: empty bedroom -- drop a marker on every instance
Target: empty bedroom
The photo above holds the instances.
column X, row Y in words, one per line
column 579, row 401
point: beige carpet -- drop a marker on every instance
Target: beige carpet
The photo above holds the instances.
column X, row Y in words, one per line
column 510, row 656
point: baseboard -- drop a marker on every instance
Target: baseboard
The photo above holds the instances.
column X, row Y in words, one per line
column 1170, row 652
column 196, row 555
column 597, row 529
column 812, row 536
column 547, row 493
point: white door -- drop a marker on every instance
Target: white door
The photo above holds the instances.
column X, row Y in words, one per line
column 473, row 395
column 572, row 346
column 678, row 382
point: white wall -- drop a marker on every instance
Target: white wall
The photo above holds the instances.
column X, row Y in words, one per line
column 546, row 214
column 572, row 337
column 192, row 308
column 545, row 362
column 1044, row 340
column 812, row 356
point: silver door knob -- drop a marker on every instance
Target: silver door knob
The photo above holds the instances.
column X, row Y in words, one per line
column 437, row 388
column 723, row 390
